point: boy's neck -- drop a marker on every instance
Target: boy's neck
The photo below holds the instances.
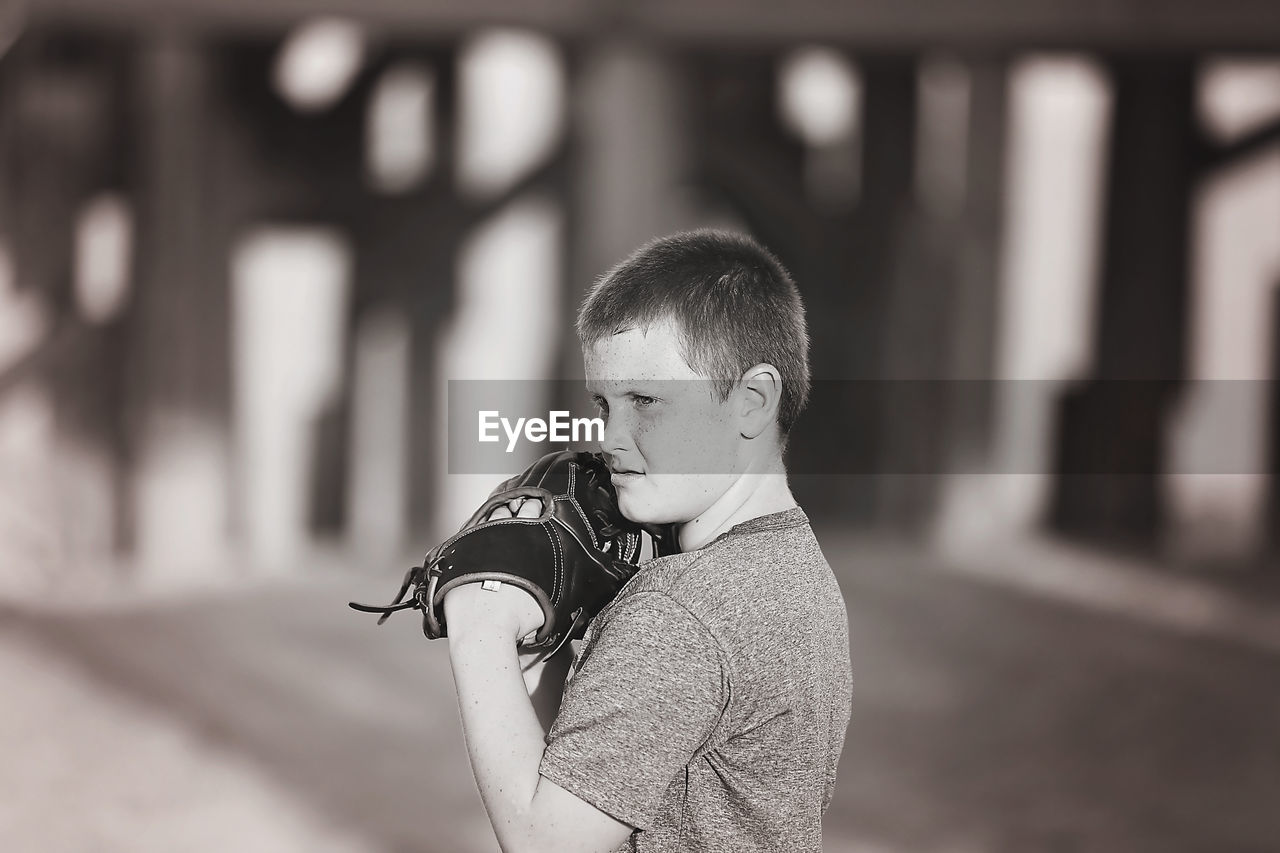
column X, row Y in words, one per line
column 760, row 492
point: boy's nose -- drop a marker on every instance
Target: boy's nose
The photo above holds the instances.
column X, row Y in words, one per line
column 617, row 436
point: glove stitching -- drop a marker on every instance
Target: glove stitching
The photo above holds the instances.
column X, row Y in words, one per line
column 571, row 494
column 586, row 522
column 558, row 589
column 632, row 541
column 497, row 521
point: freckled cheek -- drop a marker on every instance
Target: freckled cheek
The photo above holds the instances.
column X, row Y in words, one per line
column 664, row 445
column 682, row 449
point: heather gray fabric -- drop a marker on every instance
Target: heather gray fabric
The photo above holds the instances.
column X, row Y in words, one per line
column 708, row 704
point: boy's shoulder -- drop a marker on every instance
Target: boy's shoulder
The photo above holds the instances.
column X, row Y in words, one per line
column 741, row 571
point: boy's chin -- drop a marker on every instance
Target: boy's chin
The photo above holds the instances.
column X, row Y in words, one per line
column 632, row 511
column 639, row 511
column 646, row 512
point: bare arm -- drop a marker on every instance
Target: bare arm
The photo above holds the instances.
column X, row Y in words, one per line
column 504, row 734
column 505, row 741
column 544, row 682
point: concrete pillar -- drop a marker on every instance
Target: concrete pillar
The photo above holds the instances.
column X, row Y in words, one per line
column 1112, row 427
column 969, row 471
column 428, row 294
column 874, row 264
column 629, row 137
column 61, row 144
column 976, row 317
column 180, row 364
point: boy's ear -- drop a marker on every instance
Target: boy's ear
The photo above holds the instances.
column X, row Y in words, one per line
column 761, row 392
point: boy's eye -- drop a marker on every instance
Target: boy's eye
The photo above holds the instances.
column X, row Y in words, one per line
column 600, row 402
column 642, row 400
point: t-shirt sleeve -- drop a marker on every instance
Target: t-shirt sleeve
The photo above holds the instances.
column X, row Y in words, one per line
column 646, row 698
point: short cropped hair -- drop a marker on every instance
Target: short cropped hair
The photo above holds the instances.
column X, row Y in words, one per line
column 732, row 302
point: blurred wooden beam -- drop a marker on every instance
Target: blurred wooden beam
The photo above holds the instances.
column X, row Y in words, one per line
column 393, row 16
column 1251, row 143
column 998, row 24
column 985, row 24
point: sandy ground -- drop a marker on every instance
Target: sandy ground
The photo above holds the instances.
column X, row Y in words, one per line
column 88, row 767
column 272, row 718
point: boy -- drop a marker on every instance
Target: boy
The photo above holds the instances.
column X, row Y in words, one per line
column 707, row 707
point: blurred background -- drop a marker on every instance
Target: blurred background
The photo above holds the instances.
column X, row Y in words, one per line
column 244, row 247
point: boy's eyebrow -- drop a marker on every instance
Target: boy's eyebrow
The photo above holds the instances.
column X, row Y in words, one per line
column 623, row 388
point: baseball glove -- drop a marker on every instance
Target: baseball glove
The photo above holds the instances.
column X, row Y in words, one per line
column 572, row 558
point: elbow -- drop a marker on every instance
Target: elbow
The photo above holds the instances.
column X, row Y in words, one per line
column 527, row 835
column 522, row 835
column 526, row 845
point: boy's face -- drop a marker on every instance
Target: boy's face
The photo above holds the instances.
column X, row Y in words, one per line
column 665, row 427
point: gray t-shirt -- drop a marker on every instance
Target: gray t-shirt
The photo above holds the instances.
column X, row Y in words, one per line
column 708, row 703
